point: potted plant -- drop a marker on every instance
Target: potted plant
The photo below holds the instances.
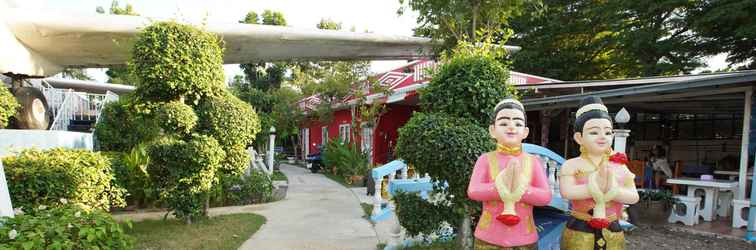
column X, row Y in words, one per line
column 654, row 203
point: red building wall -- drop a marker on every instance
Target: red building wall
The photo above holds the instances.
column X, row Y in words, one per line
column 386, row 133
column 316, row 133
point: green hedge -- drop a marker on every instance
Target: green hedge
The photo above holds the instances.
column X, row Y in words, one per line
column 8, row 105
column 444, row 147
column 63, row 227
column 418, row 215
column 123, row 125
column 171, row 61
column 44, row 177
column 243, row 190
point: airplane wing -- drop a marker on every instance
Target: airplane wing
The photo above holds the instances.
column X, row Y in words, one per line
column 42, row 43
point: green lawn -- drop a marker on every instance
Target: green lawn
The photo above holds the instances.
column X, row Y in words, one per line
column 220, row 232
column 278, row 176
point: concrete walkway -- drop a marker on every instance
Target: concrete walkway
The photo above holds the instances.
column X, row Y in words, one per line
column 317, row 214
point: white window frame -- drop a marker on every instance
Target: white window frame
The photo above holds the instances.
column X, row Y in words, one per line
column 344, row 130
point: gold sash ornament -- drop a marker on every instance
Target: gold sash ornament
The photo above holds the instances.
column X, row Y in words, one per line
column 599, row 219
column 519, row 184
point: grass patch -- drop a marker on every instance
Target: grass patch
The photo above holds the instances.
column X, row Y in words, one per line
column 341, row 180
column 220, row 232
column 438, row 245
column 368, row 210
column 279, row 176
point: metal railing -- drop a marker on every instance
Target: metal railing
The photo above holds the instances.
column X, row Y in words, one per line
column 66, row 105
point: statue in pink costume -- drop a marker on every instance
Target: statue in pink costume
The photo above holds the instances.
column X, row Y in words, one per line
column 597, row 183
column 509, row 182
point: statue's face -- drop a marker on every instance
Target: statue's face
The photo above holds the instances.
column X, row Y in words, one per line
column 597, row 136
column 509, row 128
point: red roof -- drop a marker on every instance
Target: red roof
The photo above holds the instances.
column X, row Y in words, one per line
column 416, row 73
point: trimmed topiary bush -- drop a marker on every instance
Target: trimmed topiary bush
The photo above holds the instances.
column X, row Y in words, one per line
column 175, row 116
column 172, row 61
column 234, row 124
column 44, row 177
column 185, row 171
column 421, row 216
column 63, row 227
column 469, row 85
column 444, row 147
column 8, row 105
column 229, row 120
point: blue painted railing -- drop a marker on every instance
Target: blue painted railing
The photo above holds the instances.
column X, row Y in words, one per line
column 549, row 222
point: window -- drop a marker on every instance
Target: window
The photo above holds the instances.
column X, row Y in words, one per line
column 324, row 133
column 344, row 133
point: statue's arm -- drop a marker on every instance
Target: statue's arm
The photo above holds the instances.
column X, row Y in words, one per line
column 568, row 187
column 539, row 192
column 481, row 188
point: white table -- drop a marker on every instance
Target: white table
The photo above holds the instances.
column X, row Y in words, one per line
column 734, row 174
column 711, row 188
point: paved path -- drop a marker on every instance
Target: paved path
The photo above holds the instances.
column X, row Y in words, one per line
column 317, row 214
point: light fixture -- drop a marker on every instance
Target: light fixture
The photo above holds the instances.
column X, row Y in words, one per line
column 622, row 117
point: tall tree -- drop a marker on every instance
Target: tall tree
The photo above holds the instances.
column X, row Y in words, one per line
column 454, row 20
column 118, row 74
column 77, row 74
column 584, row 39
column 729, row 26
column 654, row 37
column 264, row 75
column 566, row 41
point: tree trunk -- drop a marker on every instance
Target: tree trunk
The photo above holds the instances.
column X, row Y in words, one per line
column 295, row 144
column 206, row 208
column 475, row 10
column 465, row 231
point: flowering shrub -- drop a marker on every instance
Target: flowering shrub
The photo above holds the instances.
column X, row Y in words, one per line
column 8, row 105
column 43, row 177
column 65, row 226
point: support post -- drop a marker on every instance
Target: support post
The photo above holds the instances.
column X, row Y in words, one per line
column 271, row 149
column 620, row 140
column 6, row 207
column 744, row 145
column 377, row 200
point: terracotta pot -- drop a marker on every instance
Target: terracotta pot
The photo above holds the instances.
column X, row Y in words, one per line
column 356, row 178
column 655, row 209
